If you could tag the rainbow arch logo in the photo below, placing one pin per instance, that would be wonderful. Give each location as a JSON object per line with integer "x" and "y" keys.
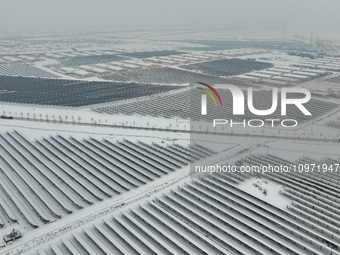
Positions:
{"x": 209, "y": 93}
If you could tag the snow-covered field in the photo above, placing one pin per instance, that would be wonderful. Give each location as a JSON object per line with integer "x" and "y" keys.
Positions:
{"x": 76, "y": 181}
{"x": 237, "y": 148}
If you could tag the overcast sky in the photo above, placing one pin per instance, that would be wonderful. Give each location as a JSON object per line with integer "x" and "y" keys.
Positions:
{"x": 21, "y": 16}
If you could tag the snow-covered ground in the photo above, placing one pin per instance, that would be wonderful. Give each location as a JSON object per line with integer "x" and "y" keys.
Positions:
{"x": 266, "y": 190}
{"x": 235, "y": 149}
{"x": 311, "y": 138}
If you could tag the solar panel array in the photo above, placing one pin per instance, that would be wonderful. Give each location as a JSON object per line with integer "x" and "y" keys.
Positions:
{"x": 186, "y": 104}
{"x": 24, "y": 70}
{"x": 148, "y": 54}
{"x": 44, "y": 180}
{"x": 89, "y": 60}
{"x": 228, "y": 67}
{"x": 168, "y": 75}
{"x": 333, "y": 123}
{"x": 213, "y": 215}
{"x": 70, "y": 92}
{"x": 334, "y": 79}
